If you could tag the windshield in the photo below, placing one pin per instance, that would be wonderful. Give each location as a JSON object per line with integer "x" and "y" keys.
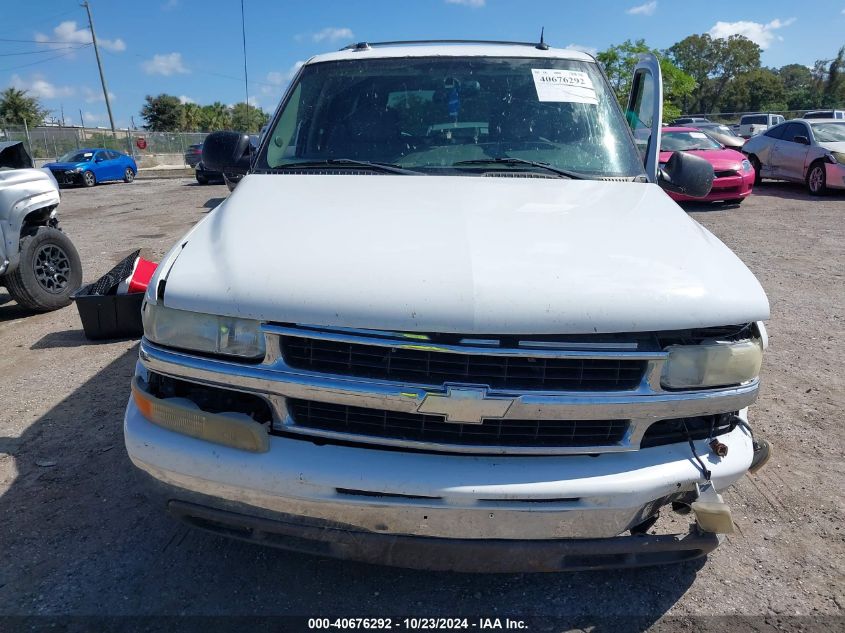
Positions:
{"x": 829, "y": 132}
{"x": 686, "y": 141}
{"x": 76, "y": 157}
{"x": 432, "y": 115}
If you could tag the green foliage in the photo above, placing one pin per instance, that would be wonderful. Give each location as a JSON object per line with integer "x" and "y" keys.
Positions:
{"x": 163, "y": 113}
{"x": 215, "y": 117}
{"x": 16, "y": 106}
{"x": 619, "y": 62}
{"x": 191, "y": 117}
{"x": 713, "y": 64}
{"x": 248, "y": 118}
{"x": 761, "y": 89}
{"x": 801, "y": 90}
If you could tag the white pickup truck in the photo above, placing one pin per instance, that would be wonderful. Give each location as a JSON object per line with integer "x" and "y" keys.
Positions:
{"x": 449, "y": 319}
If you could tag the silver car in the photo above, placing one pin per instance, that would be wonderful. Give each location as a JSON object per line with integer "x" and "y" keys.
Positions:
{"x": 809, "y": 151}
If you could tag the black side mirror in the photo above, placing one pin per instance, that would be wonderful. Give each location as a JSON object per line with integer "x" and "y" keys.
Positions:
{"x": 227, "y": 152}
{"x": 687, "y": 174}
{"x": 801, "y": 139}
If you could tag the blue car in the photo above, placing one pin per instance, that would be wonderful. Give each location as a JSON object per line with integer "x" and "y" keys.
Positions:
{"x": 90, "y": 166}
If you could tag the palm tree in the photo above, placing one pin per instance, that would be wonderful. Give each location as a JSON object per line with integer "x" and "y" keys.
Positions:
{"x": 16, "y": 107}
{"x": 216, "y": 117}
{"x": 192, "y": 115}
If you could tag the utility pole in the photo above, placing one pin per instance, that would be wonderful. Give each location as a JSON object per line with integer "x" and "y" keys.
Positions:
{"x": 99, "y": 64}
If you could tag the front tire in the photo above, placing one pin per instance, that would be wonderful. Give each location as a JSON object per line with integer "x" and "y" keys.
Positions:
{"x": 755, "y": 163}
{"x": 202, "y": 180}
{"x": 817, "y": 179}
{"x": 128, "y": 175}
{"x": 48, "y": 273}
{"x": 89, "y": 179}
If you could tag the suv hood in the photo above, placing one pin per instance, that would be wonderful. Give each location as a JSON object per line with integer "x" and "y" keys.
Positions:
{"x": 460, "y": 254}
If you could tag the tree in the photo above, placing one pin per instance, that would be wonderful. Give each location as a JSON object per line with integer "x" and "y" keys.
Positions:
{"x": 16, "y": 106}
{"x": 800, "y": 90}
{"x": 713, "y": 63}
{"x": 834, "y": 88}
{"x": 191, "y": 117}
{"x": 163, "y": 113}
{"x": 619, "y": 62}
{"x": 248, "y": 118}
{"x": 759, "y": 90}
{"x": 215, "y": 117}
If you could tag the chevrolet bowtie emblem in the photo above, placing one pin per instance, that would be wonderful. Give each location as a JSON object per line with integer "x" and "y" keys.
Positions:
{"x": 465, "y": 405}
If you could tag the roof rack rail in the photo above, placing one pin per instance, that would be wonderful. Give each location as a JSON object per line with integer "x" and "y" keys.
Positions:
{"x": 363, "y": 46}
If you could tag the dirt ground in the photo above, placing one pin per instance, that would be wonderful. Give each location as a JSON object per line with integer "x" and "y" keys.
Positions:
{"x": 78, "y": 537}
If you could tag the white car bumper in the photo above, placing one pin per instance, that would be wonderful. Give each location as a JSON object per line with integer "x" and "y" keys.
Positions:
{"x": 432, "y": 497}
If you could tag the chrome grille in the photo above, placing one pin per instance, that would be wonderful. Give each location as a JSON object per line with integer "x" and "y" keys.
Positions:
{"x": 422, "y": 366}
{"x": 432, "y": 429}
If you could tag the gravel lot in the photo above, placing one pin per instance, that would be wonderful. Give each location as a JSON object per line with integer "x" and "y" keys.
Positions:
{"x": 79, "y": 538}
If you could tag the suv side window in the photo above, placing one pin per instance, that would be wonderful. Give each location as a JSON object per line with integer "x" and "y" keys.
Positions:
{"x": 775, "y": 132}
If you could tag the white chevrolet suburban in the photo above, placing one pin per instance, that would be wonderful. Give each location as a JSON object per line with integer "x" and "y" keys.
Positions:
{"x": 449, "y": 319}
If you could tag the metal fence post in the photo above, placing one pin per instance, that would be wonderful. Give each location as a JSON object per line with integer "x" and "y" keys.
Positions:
{"x": 28, "y": 139}
{"x": 182, "y": 147}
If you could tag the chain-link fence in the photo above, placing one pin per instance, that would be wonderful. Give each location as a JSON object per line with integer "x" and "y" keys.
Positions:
{"x": 733, "y": 118}
{"x": 160, "y": 149}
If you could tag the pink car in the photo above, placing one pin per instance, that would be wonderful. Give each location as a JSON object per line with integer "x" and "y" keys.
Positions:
{"x": 734, "y": 174}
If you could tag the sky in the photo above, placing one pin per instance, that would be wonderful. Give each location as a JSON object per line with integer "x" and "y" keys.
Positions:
{"x": 193, "y": 48}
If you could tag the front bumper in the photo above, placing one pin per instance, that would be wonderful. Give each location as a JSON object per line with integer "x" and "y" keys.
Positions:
{"x": 835, "y": 175}
{"x": 536, "y": 513}
{"x": 67, "y": 177}
{"x": 438, "y": 554}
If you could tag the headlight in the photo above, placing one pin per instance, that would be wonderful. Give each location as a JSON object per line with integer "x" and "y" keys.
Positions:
{"x": 200, "y": 332}
{"x": 712, "y": 364}
{"x": 838, "y": 157}
{"x": 746, "y": 165}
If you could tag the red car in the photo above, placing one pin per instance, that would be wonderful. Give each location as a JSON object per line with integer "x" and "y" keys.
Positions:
{"x": 734, "y": 174}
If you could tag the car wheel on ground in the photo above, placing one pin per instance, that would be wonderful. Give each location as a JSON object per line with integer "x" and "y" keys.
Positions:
{"x": 128, "y": 175}
{"x": 755, "y": 163}
{"x": 48, "y": 272}
{"x": 89, "y": 179}
{"x": 202, "y": 180}
{"x": 817, "y": 179}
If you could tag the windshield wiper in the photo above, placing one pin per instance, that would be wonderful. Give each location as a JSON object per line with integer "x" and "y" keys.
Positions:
{"x": 387, "y": 168}
{"x": 508, "y": 160}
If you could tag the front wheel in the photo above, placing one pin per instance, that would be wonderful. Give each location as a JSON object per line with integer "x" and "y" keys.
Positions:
{"x": 128, "y": 175}
{"x": 755, "y": 163}
{"x": 89, "y": 179}
{"x": 817, "y": 179}
{"x": 48, "y": 273}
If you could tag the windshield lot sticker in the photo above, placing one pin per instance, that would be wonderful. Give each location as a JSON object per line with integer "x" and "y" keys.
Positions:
{"x": 567, "y": 86}
{"x": 698, "y": 135}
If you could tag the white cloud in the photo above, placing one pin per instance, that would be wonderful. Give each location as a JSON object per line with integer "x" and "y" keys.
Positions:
{"x": 274, "y": 81}
{"x": 590, "y": 50}
{"x": 643, "y": 9}
{"x": 92, "y": 117}
{"x": 475, "y": 4}
{"x": 165, "y": 64}
{"x": 183, "y": 99}
{"x": 92, "y": 96}
{"x": 761, "y": 34}
{"x": 332, "y": 34}
{"x": 39, "y": 87}
{"x": 68, "y": 33}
